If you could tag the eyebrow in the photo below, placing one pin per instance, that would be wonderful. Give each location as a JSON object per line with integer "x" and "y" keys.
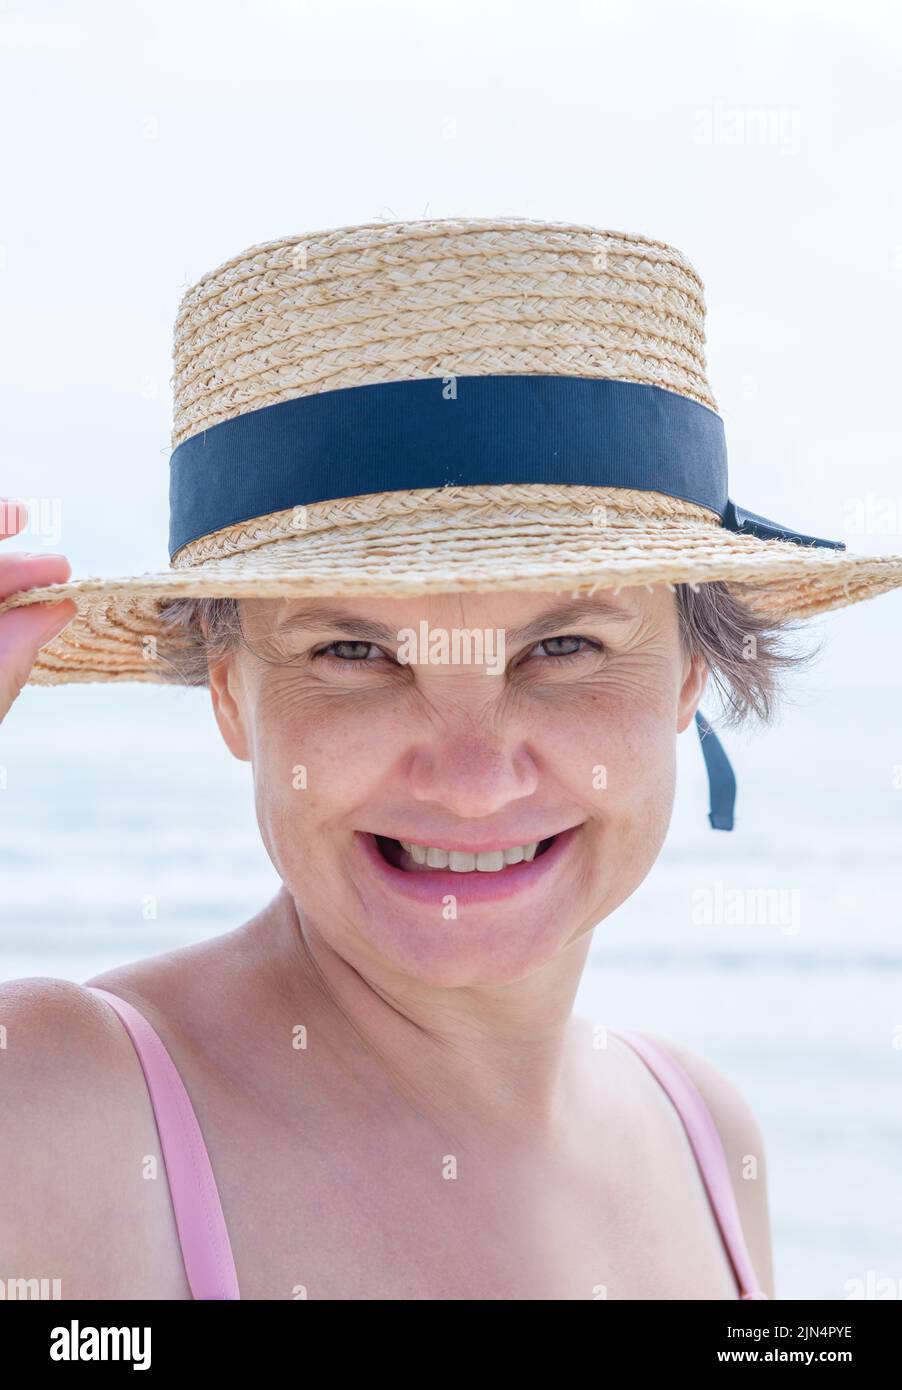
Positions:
{"x": 577, "y": 610}
{"x": 316, "y": 615}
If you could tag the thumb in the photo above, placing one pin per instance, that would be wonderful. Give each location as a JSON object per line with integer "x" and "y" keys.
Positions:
{"x": 23, "y": 631}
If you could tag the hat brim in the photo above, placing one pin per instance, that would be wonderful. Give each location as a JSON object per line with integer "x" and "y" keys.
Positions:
{"x": 114, "y": 635}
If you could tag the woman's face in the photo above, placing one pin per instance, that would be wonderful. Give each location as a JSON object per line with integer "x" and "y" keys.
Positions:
{"x": 468, "y": 725}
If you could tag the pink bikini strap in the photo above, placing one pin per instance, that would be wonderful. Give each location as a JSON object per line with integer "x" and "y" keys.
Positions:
{"x": 206, "y": 1251}
{"x": 707, "y": 1147}
{"x": 195, "y": 1199}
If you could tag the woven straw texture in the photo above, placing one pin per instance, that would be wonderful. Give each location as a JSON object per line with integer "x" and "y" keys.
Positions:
{"x": 451, "y": 297}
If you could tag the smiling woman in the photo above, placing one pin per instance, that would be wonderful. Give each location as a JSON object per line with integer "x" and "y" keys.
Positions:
{"x": 453, "y": 551}
{"x": 439, "y": 785}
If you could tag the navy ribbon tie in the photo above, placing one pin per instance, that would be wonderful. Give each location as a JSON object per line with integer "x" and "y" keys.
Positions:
{"x": 721, "y": 778}
{"x": 750, "y": 523}
{"x": 464, "y": 431}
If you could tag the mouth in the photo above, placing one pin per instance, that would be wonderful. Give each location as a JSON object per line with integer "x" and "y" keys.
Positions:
{"x": 414, "y": 858}
{"x": 432, "y": 874}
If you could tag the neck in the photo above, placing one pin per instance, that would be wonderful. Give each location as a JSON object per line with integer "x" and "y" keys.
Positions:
{"x": 506, "y": 1058}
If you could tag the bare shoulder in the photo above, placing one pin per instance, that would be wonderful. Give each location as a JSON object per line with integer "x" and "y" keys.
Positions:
{"x": 52, "y": 1030}
{"x": 61, "y": 1052}
{"x": 175, "y": 984}
{"x": 743, "y": 1142}
{"x": 75, "y": 1118}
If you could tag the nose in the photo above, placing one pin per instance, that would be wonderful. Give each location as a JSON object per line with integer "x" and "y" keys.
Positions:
{"x": 471, "y": 773}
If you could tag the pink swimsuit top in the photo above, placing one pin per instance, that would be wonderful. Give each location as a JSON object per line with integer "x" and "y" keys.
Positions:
{"x": 206, "y": 1251}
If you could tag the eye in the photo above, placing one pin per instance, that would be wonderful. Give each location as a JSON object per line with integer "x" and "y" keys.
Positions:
{"x": 564, "y": 648}
{"x": 350, "y": 653}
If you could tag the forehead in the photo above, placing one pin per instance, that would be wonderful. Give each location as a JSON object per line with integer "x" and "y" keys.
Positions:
{"x": 513, "y": 611}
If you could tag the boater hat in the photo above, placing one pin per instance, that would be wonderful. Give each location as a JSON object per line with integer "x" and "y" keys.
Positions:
{"x": 418, "y": 407}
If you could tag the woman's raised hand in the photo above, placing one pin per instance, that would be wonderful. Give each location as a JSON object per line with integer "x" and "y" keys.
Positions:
{"x": 23, "y": 631}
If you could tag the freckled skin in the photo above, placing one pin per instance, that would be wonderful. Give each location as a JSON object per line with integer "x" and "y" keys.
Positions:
{"x": 426, "y": 1038}
{"x": 444, "y": 749}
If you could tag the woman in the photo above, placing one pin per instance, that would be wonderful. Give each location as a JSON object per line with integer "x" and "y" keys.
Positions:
{"x": 452, "y": 548}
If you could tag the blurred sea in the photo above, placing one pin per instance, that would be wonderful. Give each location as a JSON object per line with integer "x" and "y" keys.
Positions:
{"x": 116, "y": 793}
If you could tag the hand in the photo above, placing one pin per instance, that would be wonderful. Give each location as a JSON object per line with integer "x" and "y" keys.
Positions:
{"x": 23, "y": 631}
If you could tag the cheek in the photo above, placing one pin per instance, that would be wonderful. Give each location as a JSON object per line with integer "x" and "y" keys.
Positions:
{"x": 614, "y": 747}
{"x": 315, "y": 758}
{"x": 621, "y": 762}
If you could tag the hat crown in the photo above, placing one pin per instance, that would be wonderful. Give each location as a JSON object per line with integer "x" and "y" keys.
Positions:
{"x": 397, "y": 301}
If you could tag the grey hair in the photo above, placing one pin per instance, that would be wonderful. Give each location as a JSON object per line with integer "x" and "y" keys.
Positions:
{"x": 744, "y": 651}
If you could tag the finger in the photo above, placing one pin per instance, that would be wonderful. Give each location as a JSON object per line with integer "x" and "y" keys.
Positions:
{"x": 23, "y": 631}
{"x": 19, "y": 570}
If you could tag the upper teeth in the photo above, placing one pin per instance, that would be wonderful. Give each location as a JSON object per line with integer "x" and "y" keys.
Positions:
{"x": 462, "y": 862}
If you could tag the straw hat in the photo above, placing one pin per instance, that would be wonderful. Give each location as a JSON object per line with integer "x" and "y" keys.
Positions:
{"x": 457, "y": 404}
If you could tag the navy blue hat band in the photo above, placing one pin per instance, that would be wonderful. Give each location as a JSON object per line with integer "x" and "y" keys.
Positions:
{"x": 463, "y": 431}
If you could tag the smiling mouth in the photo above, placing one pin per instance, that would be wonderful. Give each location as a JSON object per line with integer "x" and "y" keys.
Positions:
{"x": 412, "y": 858}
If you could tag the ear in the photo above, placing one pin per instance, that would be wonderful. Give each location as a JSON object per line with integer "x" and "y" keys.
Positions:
{"x": 225, "y": 691}
{"x": 694, "y": 683}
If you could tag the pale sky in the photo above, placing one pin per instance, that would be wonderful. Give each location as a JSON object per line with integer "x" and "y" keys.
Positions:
{"x": 145, "y": 143}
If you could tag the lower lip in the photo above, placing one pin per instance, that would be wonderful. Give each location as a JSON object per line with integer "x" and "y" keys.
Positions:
{"x": 472, "y": 887}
